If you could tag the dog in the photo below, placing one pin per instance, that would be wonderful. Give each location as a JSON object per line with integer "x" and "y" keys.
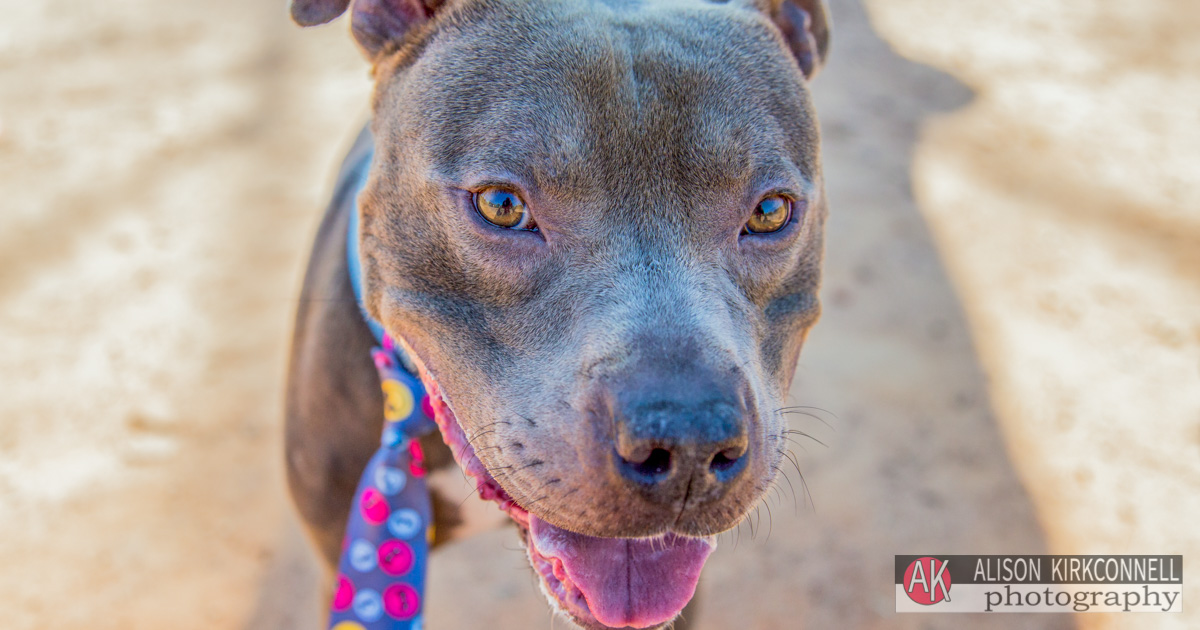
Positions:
{"x": 595, "y": 228}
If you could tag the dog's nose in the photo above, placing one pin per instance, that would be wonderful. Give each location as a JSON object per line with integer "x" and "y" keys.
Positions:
{"x": 680, "y": 434}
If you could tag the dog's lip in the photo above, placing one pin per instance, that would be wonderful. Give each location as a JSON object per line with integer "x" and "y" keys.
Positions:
{"x": 684, "y": 556}
{"x": 487, "y": 487}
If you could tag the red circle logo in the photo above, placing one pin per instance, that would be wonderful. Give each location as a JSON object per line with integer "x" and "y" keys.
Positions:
{"x": 927, "y": 581}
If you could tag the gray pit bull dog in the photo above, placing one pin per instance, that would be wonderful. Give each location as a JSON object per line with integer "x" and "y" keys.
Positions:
{"x": 596, "y": 228}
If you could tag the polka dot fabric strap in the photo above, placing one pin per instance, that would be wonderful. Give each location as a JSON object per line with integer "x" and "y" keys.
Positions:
{"x": 381, "y": 574}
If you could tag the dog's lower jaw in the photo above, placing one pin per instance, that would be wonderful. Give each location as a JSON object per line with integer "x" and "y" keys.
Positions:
{"x": 562, "y": 558}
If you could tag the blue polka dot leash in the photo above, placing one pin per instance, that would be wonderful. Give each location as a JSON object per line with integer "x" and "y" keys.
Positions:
{"x": 381, "y": 573}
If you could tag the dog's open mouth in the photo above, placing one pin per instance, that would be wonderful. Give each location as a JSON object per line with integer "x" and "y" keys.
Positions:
{"x": 617, "y": 582}
{"x": 600, "y": 582}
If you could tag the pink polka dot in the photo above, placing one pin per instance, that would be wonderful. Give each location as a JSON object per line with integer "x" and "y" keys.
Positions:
{"x": 427, "y": 406}
{"x": 401, "y": 601}
{"x": 344, "y": 595}
{"x": 374, "y": 506}
{"x": 417, "y": 466}
{"x": 382, "y": 360}
{"x": 395, "y": 557}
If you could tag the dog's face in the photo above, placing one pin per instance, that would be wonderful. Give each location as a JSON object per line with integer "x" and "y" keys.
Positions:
{"x": 597, "y": 226}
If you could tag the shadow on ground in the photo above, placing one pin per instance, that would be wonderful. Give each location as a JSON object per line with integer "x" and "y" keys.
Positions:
{"x": 915, "y": 462}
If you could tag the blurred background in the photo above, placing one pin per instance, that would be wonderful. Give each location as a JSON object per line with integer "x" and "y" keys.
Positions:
{"x": 1009, "y": 359}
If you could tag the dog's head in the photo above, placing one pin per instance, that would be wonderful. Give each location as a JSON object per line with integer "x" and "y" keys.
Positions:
{"x": 597, "y": 225}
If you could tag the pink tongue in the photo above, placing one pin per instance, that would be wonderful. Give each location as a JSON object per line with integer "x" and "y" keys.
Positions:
{"x": 627, "y": 581}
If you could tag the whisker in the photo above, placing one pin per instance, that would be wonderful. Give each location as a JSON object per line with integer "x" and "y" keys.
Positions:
{"x": 798, "y": 445}
{"x": 536, "y": 462}
{"x": 795, "y": 500}
{"x": 770, "y": 521}
{"x": 527, "y": 505}
{"x": 494, "y": 472}
{"x": 809, "y": 415}
{"x": 796, "y": 463}
{"x": 803, "y": 434}
{"x": 492, "y": 424}
{"x": 799, "y": 407}
{"x": 471, "y": 440}
{"x": 467, "y": 498}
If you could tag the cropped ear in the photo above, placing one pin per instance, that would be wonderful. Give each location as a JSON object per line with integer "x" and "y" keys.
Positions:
{"x": 375, "y": 23}
{"x": 805, "y": 28}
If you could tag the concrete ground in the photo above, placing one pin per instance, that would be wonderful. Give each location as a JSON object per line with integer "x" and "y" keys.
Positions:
{"x": 1009, "y": 360}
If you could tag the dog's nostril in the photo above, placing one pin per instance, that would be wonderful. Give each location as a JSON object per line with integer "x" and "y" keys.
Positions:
{"x": 657, "y": 463}
{"x": 651, "y": 468}
{"x": 727, "y": 463}
{"x": 723, "y": 461}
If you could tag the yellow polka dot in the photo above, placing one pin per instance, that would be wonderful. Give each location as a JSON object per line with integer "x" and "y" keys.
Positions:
{"x": 397, "y": 401}
{"x": 429, "y": 533}
{"x": 349, "y": 625}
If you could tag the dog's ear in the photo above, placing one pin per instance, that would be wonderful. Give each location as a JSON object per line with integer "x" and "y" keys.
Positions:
{"x": 314, "y": 12}
{"x": 805, "y": 28}
{"x": 375, "y": 23}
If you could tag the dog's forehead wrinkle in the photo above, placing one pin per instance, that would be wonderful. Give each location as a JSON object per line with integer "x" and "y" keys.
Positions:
{"x": 652, "y": 97}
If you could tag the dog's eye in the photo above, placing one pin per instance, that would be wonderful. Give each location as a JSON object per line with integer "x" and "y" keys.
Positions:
{"x": 771, "y": 214}
{"x": 503, "y": 208}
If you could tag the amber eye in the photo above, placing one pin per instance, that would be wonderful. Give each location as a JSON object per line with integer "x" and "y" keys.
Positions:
{"x": 503, "y": 208}
{"x": 771, "y": 214}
